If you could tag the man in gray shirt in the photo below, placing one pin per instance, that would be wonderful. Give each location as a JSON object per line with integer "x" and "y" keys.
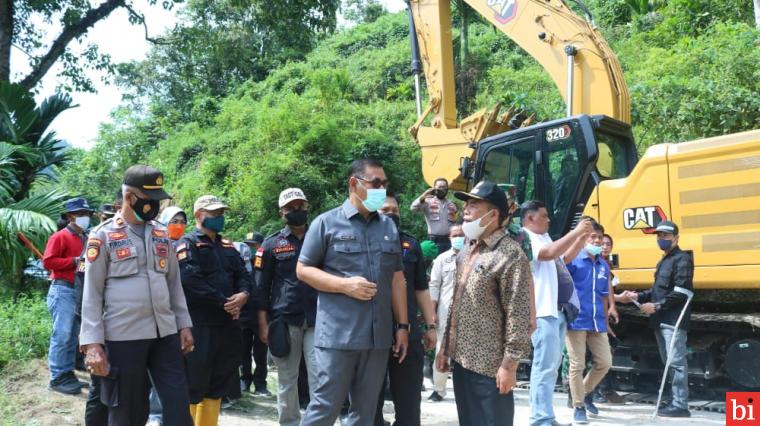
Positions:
{"x": 352, "y": 256}
{"x": 134, "y": 314}
{"x": 440, "y": 213}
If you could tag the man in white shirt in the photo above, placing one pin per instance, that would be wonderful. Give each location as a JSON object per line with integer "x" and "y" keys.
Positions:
{"x": 443, "y": 276}
{"x": 551, "y": 325}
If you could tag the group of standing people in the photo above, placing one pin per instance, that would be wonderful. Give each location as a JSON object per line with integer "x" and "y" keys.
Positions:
{"x": 170, "y": 310}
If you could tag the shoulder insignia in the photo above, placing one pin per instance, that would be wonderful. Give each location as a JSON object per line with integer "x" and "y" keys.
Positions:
{"x": 259, "y": 262}
{"x": 82, "y": 267}
{"x": 181, "y": 247}
{"x": 93, "y": 249}
{"x": 260, "y": 252}
{"x": 202, "y": 244}
{"x": 406, "y": 245}
{"x": 182, "y": 255}
{"x": 227, "y": 243}
{"x": 160, "y": 233}
{"x": 117, "y": 235}
{"x": 119, "y": 222}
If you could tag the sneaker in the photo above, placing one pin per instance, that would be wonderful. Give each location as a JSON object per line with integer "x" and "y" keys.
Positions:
{"x": 262, "y": 392}
{"x": 588, "y": 401}
{"x": 435, "y": 397}
{"x": 65, "y": 385}
{"x": 579, "y": 416}
{"x": 154, "y": 421}
{"x": 672, "y": 411}
{"x": 227, "y": 403}
{"x": 70, "y": 376}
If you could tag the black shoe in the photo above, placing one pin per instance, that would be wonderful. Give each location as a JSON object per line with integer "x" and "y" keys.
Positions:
{"x": 262, "y": 392}
{"x": 672, "y": 411}
{"x": 65, "y": 385}
{"x": 73, "y": 378}
{"x": 435, "y": 397}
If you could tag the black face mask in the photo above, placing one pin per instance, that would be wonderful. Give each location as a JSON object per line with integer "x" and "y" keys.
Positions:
{"x": 441, "y": 193}
{"x": 396, "y": 219}
{"x": 297, "y": 217}
{"x": 145, "y": 210}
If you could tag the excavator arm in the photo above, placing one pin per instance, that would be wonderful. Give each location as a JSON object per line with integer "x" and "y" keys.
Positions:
{"x": 573, "y": 52}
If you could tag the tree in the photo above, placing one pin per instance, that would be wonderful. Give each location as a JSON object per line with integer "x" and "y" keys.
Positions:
{"x": 222, "y": 43}
{"x": 28, "y": 153}
{"x": 75, "y": 17}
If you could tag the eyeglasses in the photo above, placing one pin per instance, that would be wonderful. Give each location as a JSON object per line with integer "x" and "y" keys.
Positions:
{"x": 376, "y": 183}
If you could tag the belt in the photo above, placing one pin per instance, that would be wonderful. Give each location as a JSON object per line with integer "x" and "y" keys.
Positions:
{"x": 63, "y": 283}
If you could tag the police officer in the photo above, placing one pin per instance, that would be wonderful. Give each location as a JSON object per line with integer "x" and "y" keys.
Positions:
{"x": 217, "y": 287}
{"x": 406, "y": 377}
{"x": 352, "y": 256}
{"x": 287, "y": 300}
{"x": 142, "y": 320}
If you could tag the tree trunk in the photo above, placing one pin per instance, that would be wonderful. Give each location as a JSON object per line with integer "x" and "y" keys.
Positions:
{"x": 464, "y": 33}
{"x": 757, "y": 13}
{"x": 69, "y": 33}
{"x": 6, "y": 38}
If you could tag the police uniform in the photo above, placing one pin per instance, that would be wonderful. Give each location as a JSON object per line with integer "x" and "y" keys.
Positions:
{"x": 134, "y": 304}
{"x": 406, "y": 378}
{"x": 352, "y": 337}
{"x": 212, "y": 271}
{"x": 288, "y": 299}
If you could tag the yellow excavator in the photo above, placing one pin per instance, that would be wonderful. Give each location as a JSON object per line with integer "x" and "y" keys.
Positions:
{"x": 587, "y": 164}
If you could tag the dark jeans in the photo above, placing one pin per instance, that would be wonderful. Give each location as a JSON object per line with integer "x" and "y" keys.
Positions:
{"x": 253, "y": 351}
{"x": 479, "y": 402}
{"x": 95, "y": 412}
{"x": 406, "y": 387}
{"x": 126, "y": 392}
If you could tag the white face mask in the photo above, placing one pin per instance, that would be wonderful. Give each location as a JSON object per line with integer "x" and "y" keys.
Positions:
{"x": 473, "y": 230}
{"x": 83, "y": 222}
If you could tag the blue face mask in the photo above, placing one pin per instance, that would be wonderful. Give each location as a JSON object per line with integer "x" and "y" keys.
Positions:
{"x": 593, "y": 250}
{"x": 375, "y": 199}
{"x": 665, "y": 244}
{"x": 457, "y": 243}
{"x": 215, "y": 224}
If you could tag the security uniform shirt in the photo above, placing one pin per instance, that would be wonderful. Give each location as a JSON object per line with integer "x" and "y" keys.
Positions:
{"x": 415, "y": 274}
{"x": 342, "y": 243}
{"x": 212, "y": 271}
{"x": 282, "y": 294}
{"x": 132, "y": 288}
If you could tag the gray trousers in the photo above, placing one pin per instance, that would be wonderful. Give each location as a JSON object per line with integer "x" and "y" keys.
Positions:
{"x": 301, "y": 341}
{"x": 356, "y": 373}
{"x": 679, "y": 372}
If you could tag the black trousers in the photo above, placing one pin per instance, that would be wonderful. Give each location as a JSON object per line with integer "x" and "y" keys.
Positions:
{"x": 211, "y": 367}
{"x": 125, "y": 391}
{"x": 95, "y": 412}
{"x": 479, "y": 402}
{"x": 406, "y": 387}
{"x": 253, "y": 350}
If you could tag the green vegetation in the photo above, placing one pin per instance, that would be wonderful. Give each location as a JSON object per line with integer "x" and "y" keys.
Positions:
{"x": 24, "y": 328}
{"x": 691, "y": 66}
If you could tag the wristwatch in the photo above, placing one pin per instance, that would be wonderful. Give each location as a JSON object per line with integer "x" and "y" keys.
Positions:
{"x": 402, "y": 326}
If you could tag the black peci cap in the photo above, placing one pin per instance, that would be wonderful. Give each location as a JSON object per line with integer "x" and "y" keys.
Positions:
{"x": 148, "y": 180}
{"x": 486, "y": 191}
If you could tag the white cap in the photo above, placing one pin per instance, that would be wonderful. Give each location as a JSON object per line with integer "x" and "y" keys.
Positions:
{"x": 291, "y": 194}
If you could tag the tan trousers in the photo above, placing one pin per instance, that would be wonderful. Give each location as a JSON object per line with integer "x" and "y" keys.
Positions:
{"x": 599, "y": 346}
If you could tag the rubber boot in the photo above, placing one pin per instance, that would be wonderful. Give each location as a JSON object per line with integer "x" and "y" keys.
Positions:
{"x": 208, "y": 412}
{"x": 193, "y": 412}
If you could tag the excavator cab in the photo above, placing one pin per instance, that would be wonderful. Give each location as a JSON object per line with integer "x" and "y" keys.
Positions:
{"x": 558, "y": 162}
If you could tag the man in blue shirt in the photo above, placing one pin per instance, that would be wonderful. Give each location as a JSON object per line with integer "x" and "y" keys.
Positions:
{"x": 591, "y": 275}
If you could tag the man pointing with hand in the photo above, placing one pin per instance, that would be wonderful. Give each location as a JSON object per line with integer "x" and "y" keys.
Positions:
{"x": 352, "y": 256}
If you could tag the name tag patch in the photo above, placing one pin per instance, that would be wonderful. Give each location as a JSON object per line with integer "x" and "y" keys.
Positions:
{"x": 118, "y": 235}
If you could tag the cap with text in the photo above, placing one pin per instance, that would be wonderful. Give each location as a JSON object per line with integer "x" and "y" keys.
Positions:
{"x": 667, "y": 227}
{"x": 486, "y": 191}
{"x": 146, "y": 179}
{"x": 208, "y": 203}
{"x": 291, "y": 194}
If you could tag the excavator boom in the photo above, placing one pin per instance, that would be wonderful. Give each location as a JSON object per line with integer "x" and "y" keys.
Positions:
{"x": 569, "y": 48}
